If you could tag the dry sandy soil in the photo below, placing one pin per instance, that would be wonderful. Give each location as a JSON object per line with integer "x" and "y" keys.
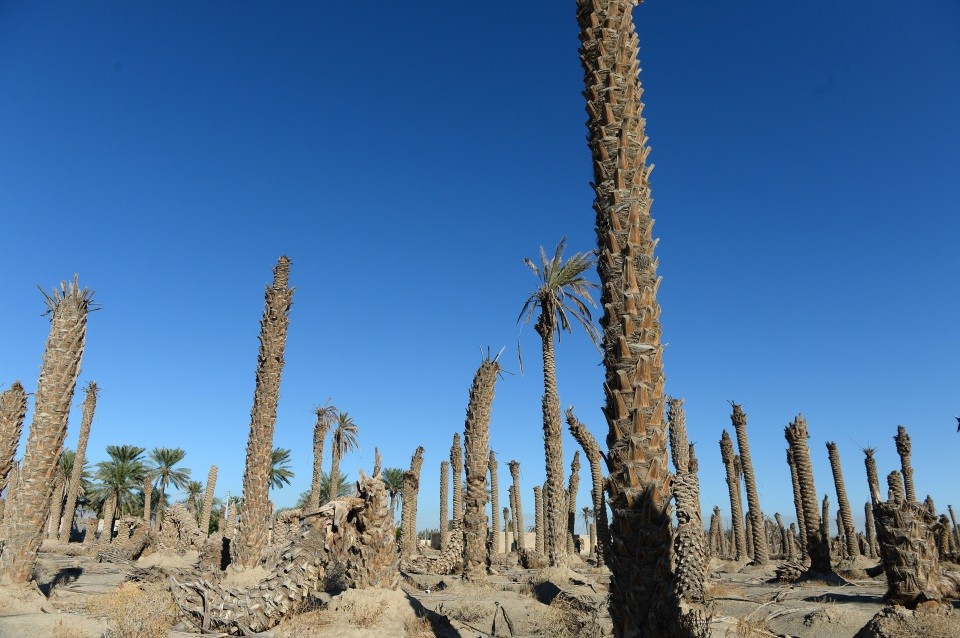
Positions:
{"x": 80, "y": 599}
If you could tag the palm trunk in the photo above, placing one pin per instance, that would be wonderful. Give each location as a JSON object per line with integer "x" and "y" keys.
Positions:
{"x": 797, "y": 502}
{"x": 208, "y": 500}
{"x": 506, "y": 528}
{"x": 689, "y": 546}
{"x": 760, "y": 549}
{"x": 456, "y": 466}
{"x": 895, "y": 487}
{"x": 825, "y": 517}
{"x": 147, "y": 499}
{"x": 538, "y": 534}
{"x": 902, "y": 439}
{"x": 849, "y": 531}
{"x": 335, "y": 452}
{"x": 784, "y": 549}
{"x": 476, "y": 438}
{"x": 56, "y": 507}
{"x": 592, "y": 452}
{"x": 444, "y": 503}
{"x": 255, "y": 522}
{"x": 319, "y": 435}
{"x": 818, "y": 547}
{"x": 229, "y": 519}
{"x": 555, "y": 516}
{"x": 494, "y": 500}
{"x": 516, "y": 505}
{"x": 68, "y": 307}
{"x": 572, "y": 486}
{"x": 908, "y": 550}
{"x": 109, "y": 515}
{"x": 873, "y": 481}
{"x": 716, "y": 533}
{"x": 13, "y": 410}
{"x": 870, "y": 530}
{"x": 956, "y": 530}
{"x": 76, "y": 475}
{"x": 408, "y": 513}
{"x": 736, "y": 506}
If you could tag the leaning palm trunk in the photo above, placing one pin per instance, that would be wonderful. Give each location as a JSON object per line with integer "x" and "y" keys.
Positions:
{"x": 592, "y": 451}
{"x": 902, "y": 439}
{"x": 456, "y": 466}
{"x": 68, "y": 307}
{"x": 319, "y": 435}
{"x": 797, "y": 501}
{"x": 334, "y": 473}
{"x": 13, "y": 410}
{"x": 760, "y": 549}
{"x": 516, "y": 505}
{"x": 689, "y": 545}
{"x": 572, "y": 486}
{"x": 408, "y": 512}
{"x": 870, "y": 530}
{"x": 716, "y": 533}
{"x": 538, "y": 519}
{"x": 849, "y": 531}
{"x": 476, "y": 438}
{"x": 208, "y": 500}
{"x": 736, "y": 506}
{"x": 56, "y": 507}
{"x": 444, "y": 503}
{"x": 818, "y": 547}
{"x": 494, "y": 500}
{"x": 147, "y": 498}
{"x": 76, "y": 475}
{"x": 255, "y": 522}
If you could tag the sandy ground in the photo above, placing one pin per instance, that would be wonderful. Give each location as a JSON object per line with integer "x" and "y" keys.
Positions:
{"x": 555, "y": 603}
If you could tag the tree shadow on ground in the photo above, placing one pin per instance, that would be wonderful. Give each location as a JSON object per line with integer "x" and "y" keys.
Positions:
{"x": 62, "y": 577}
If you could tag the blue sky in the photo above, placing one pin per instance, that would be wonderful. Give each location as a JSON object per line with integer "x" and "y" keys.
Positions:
{"x": 408, "y": 156}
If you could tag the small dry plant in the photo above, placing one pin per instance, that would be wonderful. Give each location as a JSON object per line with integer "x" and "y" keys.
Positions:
{"x": 364, "y": 614}
{"x": 137, "y": 611}
{"x": 721, "y": 589}
{"x": 470, "y": 610}
{"x": 62, "y": 630}
{"x": 419, "y": 628}
{"x": 747, "y": 628}
{"x": 311, "y": 623}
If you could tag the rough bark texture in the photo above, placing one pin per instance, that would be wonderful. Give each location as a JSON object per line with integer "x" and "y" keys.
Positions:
{"x": 908, "y": 551}
{"x": 456, "y": 466}
{"x": 516, "y": 505}
{"x": 320, "y": 428}
{"x": 736, "y": 506}
{"x": 849, "y": 531}
{"x": 494, "y": 500}
{"x": 76, "y": 475}
{"x": 109, "y": 515}
{"x": 592, "y": 451}
{"x": 476, "y": 438}
{"x": 255, "y": 522}
{"x": 902, "y": 439}
{"x": 147, "y": 498}
{"x": 56, "y": 506}
{"x": 784, "y": 545}
{"x": 870, "y": 530}
{"x": 825, "y": 517}
{"x": 13, "y": 410}
{"x": 538, "y": 534}
{"x": 208, "y": 500}
{"x": 408, "y": 511}
{"x": 716, "y": 533}
{"x": 229, "y": 519}
{"x": 739, "y": 420}
{"x": 506, "y": 527}
{"x": 555, "y": 515}
{"x": 956, "y": 530}
{"x": 572, "y": 486}
{"x": 444, "y": 504}
{"x": 895, "y": 485}
{"x": 818, "y": 547}
{"x": 797, "y": 502}
{"x": 68, "y": 307}
{"x": 688, "y": 542}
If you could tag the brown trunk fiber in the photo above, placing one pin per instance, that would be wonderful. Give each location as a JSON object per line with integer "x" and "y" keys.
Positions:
{"x": 76, "y": 475}
{"x": 13, "y": 410}
{"x": 538, "y": 534}
{"x": 320, "y": 428}
{"x": 572, "y": 486}
{"x": 494, "y": 500}
{"x": 208, "y": 500}
{"x": 517, "y": 506}
{"x": 760, "y": 550}
{"x": 797, "y": 502}
{"x": 689, "y": 546}
{"x": 592, "y": 451}
{"x": 506, "y": 527}
{"x": 408, "y": 513}
{"x": 456, "y": 466}
{"x": 476, "y": 438}
{"x": 818, "y": 547}
{"x": 444, "y": 504}
{"x": 736, "y": 506}
{"x": 849, "y": 531}
{"x": 902, "y": 439}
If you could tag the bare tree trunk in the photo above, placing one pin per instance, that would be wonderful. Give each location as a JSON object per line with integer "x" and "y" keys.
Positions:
{"x": 109, "y": 515}
{"x": 517, "y": 505}
{"x": 784, "y": 548}
{"x": 849, "y": 531}
{"x": 444, "y": 504}
{"x": 572, "y": 486}
{"x": 229, "y": 519}
{"x": 147, "y": 498}
{"x": 13, "y": 410}
{"x": 68, "y": 308}
{"x": 902, "y": 439}
{"x": 797, "y": 502}
{"x": 257, "y": 508}
{"x": 408, "y": 513}
{"x": 592, "y": 452}
{"x": 506, "y": 529}
{"x": 76, "y": 475}
{"x": 320, "y": 428}
{"x": 456, "y": 465}
{"x": 956, "y": 530}
{"x": 538, "y": 519}
{"x": 736, "y": 507}
{"x": 895, "y": 485}
{"x": 208, "y": 500}
{"x": 494, "y": 500}
{"x": 56, "y": 507}
{"x": 870, "y": 530}
{"x": 691, "y": 555}
{"x": 476, "y": 437}
{"x": 908, "y": 549}
{"x": 818, "y": 547}
{"x": 739, "y": 421}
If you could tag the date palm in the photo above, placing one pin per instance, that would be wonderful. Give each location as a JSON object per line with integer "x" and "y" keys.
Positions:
{"x": 344, "y": 488}
{"x": 393, "y": 478}
{"x": 163, "y": 472}
{"x": 562, "y": 297}
{"x": 343, "y": 440}
{"x": 194, "y": 489}
{"x": 120, "y": 477}
{"x": 74, "y": 485}
{"x": 325, "y": 414}
{"x": 280, "y": 473}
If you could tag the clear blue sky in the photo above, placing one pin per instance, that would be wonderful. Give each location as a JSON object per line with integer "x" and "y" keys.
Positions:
{"x": 407, "y": 156}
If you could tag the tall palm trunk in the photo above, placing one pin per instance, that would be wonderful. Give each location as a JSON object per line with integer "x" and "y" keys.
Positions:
{"x": 849, "y": 531}
{"x": 229, "y": 519}
{"x": 555, "y": 516}
{"x": 825, "y": 517}
{"x": 592, "y": 452}
{"x": 895, "y": 487}
{"x": 572, "y": 486}
{"x": 13, "y": 410}
{"x": 476, "y": 439}
{"x": 506, "y": 527}
{"x": 76, "y": 475}
{"x": 689, "y": 545}
{"x": 538, "y": 532}
{"x": 797, "y": 501}
{"x": 736, "y": 506}
{"x": 408, "y": 512}
{"x": 902, "y": 439}
{"x": 870, "y": 530}
{"x": 109, "y": 516}
{"x": 56, "y": 507}
{"x": 319, "y": 435}
{"x": 335, "y": 453}
{"x": 444, "y": 504}
{"x": 818, "y": 548}
{"x": 147, "y": 499}
{"x": 208, "y": 500}
{"x": 516, "y": 506}
{"x": 760, "y": 550}
{"x": 68, "y": 307}
{"x": 494, "y": 500}
{"x": 456, "y": 466}
{"x": 255, "y": 522}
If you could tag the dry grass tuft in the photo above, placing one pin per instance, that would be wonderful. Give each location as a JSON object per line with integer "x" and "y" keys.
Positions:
{"x": 721, "y": 589}
{"x": 559, "y": 576}
{"x": 419, "y": 628}
{"x": 364, "y": 614}
{"x": 470, "y": 611}
{"x": 62, "y": 630}
{"x": 751, "y": 629}
{"x": 311, "y": 623}
{"x": 137, "y": 611}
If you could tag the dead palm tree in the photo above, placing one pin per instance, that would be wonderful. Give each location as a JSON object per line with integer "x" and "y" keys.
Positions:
{"x": 13, "y": 410}
{"x": 494, "y": 500}
{"x": 902, "y": 439}
{"x": 444, "y": 504}
{"x": 573, "y": 485}
{"x": 852, "y": 549}
{"x": 739, "y": 420}
{"x": 818, "y": 547}
{"x": 208, "y": 500}
{"x": 325, "y": 414}
{"x": 343, "y": 440}
{"x": 538, "y": 535}
{"x": 736, "y": 505}
{"x": 76, "y": 475}
{"x": 68, "y": 308}
{"x": 562, "y": 296}
{"x": 456, "y": 466}
{"x": 689, "y": 544}
{"x": 257, "y": 508}
{"x": 476, "y": 438}
{"x": 797, "y": 501}
{"x": 592, "y": 450}
{"x": 408, "y": 512}
{"x": 515, "y": 505}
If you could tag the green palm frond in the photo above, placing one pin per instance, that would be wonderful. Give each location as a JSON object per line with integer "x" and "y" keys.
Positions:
{"x": 345, "y": 436}
{"x": 280, "y": 472}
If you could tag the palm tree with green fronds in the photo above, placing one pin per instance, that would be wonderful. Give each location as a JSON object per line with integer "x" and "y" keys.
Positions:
{"x": 280, "y": 472}
{"x": 344, "y": 488}
{"x": 562, "y": 298}
{"x": 164, "y": 472}
{"x": 193, "y": 490}
{"x": 393, "y": 478}
{"x": 120, "y": 477}
{"x": 343, "y": 440}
